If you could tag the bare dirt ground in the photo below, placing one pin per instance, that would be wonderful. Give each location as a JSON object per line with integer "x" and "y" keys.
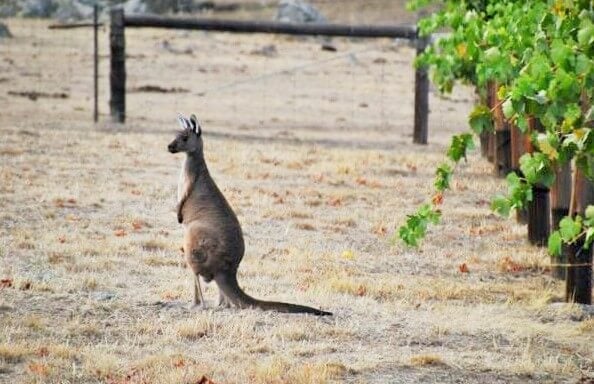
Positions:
{"x": 313, "y": 150}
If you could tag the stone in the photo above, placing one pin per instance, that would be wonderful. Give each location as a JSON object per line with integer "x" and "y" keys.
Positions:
{"x": 4, "y": 31}
{"x": 38, "y": 8}
{"x": 9, "y": 8}
{"x": 298, "y": 11}
{"x": 71, "y": 10}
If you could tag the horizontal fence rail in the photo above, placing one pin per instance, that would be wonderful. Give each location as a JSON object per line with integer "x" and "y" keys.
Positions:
{"x": 119, "y": 21}
{"x": 241, "y": 26}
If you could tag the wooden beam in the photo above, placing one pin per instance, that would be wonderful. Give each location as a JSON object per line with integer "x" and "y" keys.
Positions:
{"x": 242, "y": 26}
{"x": 420, "y": 130}
{"x": 117, "y": 75}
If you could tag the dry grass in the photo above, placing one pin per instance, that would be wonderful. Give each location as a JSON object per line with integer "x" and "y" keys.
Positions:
{"x": 90, "y": 244}
{"x": 422, "y": 360}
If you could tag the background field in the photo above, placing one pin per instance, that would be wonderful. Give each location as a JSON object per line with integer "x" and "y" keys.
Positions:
{"x": 312, "y": 149}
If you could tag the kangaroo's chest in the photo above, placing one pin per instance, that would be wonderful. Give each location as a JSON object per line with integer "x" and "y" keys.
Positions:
{"x": 183, "y": 181}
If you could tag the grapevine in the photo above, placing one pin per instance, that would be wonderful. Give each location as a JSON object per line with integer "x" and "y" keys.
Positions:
{"x": 541, "y": 54}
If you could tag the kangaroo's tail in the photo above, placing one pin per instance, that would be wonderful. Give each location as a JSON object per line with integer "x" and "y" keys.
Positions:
{"x": 228, "y": 284}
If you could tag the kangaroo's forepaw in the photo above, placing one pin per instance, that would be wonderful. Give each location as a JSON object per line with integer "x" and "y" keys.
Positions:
{"x": 180, "y": 218}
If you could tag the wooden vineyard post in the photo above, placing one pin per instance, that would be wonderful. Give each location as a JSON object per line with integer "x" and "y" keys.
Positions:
{"x": 560, "y": 198}
{"x": 421, "y": 95}
{"x": 501, "y": 150}
{"x": 539, "y": 222}
{"x": 519, "y": 145}
{"x": 539, "y": 209}
{"x": 117, "y": 74}
{"x": 578, "y": 288}
{"x": 95, "y": 63}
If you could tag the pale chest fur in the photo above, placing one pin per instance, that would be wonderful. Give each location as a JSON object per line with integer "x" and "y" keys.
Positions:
{"x": 182, "y": 181}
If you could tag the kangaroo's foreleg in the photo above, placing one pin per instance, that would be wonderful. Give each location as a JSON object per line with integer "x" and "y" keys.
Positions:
{"x": 183, "y": 196}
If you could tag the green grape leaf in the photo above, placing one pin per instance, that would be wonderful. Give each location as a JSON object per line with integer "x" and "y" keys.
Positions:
{"x": 501, "y": 205}
{"x": 443, "y": 176}
{"x": 460, "y": 146}
{"x": 589, "y": 237}
{"x": 547, "y": 145}
{"x": 554, "y": 244}
{"x": 569, "y": 228}
{"x": 480, "y": 119}
{"x": 537, "y": 168}
{"x": 508, "y": 108}
{"x": 585, "y": 35}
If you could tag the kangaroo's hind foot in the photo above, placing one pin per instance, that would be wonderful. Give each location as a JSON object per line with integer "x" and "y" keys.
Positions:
{"x": 198, "y": 302}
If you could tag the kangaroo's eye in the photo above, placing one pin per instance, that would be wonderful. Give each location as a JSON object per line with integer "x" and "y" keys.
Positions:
{"x": 185, "y": 138}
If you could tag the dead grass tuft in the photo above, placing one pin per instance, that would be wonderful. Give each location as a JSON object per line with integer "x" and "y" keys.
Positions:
{"x": 278, "y": 370}
{"x": 195, "y": 329}
{"x": 154, "y": 245}
{"x": 161, "y": 261}
{"x": 101, "y": 365}
{"x": 586, "y": 326}
{"x": 13, "y": 353}
{"x": 34, "y": 322}
{"x": 423, "y": 360}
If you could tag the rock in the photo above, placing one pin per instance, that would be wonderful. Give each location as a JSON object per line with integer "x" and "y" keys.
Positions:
{"x": 4, "y": 31}
{"x": 103, "y": 296}
{"x": 38, "y": 8}
{"x": 69, "y": 10}
{"x": 267, "y": 51}
{"x": 165, "y": 6}
{"x": 135, "y": 6}
{"x": 9, "y": 8}
{"x": 297, "y": 11}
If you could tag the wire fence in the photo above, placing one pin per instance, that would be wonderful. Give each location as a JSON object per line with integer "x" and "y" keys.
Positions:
{"x": 234, "y": 82}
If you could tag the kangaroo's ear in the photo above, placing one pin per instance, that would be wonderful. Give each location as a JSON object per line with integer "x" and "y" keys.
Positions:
{"x": 195, "y": 125}
{"x": 183, "y": 122}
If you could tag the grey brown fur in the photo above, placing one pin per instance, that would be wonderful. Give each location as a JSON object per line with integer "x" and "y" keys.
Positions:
{"x": 213, "y": 240}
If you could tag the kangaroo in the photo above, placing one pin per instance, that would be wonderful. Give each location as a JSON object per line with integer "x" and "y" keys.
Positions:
{"x": 213, "y": 241}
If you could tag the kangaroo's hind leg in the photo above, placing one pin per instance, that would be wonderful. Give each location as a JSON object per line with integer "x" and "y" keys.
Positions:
{"x": 198, "y": 297}
{"x": 223, "y": 300}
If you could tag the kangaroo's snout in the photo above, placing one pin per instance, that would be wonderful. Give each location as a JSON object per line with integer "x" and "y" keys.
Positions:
{"x": 171, "y": 148}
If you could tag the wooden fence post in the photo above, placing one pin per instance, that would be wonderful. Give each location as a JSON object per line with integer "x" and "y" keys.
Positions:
{"x": 520, "y": 144}
{"x": 560, "y": 198}
{"x": 578, "y": 288}
{"x": 421, "y": 95}
{"x": 502, "y": 145}
{"x": 95, "y": 63}
{"x": 117, "y": 75}
{"x": 539, "y": 209}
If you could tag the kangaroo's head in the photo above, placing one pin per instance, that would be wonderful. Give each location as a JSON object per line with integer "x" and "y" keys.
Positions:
{"x": 189, "y": 138}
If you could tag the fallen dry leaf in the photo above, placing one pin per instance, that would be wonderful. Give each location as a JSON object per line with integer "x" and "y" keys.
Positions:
{"x": 205, "y": 380}
{"x": 507, "y": 264}
{"x": 380, "y": 230}
{"x": 463, "y": 268}
{"x": 5, "y": 283}
{"x": 137, "y": 225}
{"x": 361, "y": 290}
{"x": 335, "y": 201}
{"x": 119, "y": 233}
{"x": 437, "y": 199}
{"x": 40, "y": 369}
